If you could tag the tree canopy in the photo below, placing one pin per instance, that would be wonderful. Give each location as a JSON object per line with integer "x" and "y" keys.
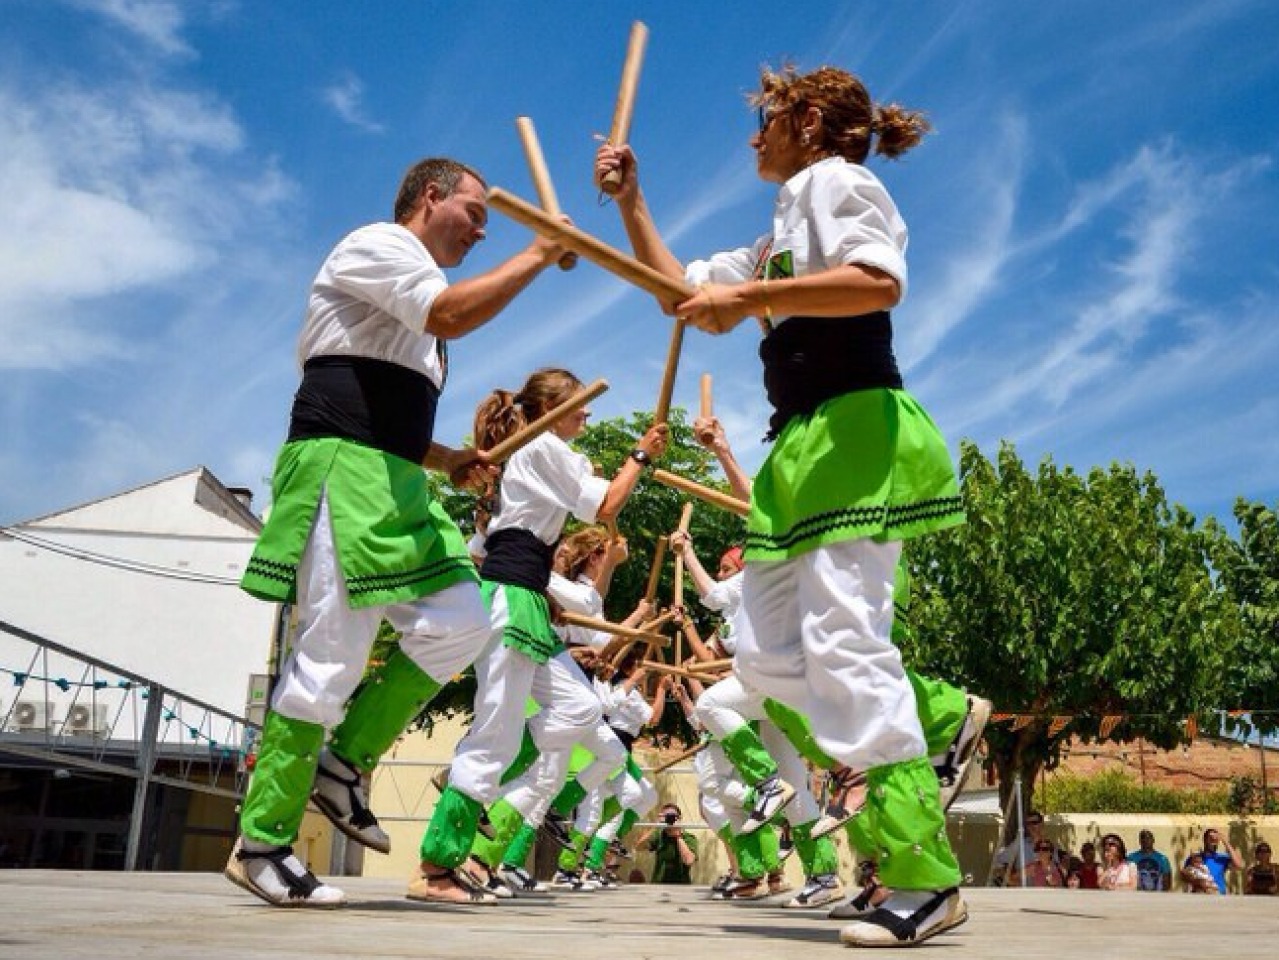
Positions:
{"x": 1070, "y": 596}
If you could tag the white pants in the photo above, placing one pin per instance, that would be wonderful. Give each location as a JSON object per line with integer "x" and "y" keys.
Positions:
{"x": 505, "y": 679}
{"x": 728, "y": 706}
{"x": 815, "y": 634}
{"x": 442, "y": 633}
{"x": 721, "y": 787}
{"x": 533, "y": 793}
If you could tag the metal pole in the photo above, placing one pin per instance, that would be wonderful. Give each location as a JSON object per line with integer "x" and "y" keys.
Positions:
{"x": 1021, "y": 830}
{"x": 146, "y": 764}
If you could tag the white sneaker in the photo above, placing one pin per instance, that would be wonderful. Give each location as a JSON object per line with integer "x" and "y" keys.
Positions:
{"x": 952, "y": 766}
{"x": 520, "y": 880}
{"x": 572, "y": 881}
{"x": 339, "y": 793}
{"x": 601, "y": 880}
{"x": 771, "y": 796}
{"x": 818, "y": 891}
{"x": 907, "y": 918}
{"x": 279, "y": 878}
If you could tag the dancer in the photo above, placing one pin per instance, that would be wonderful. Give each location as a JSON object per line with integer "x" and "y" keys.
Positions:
{"x": 354, "y": 535}
{"x": 857, "y": 467}
{"x": 540, "y": 486}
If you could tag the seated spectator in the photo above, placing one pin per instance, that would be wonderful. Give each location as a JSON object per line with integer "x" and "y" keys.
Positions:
{"x": 1196, "y": 875}
{"x": 1262, "y": 877}
{"x": 1116, "y": 872}
{"x": 1044, "y": 870}
{"x": 1084, "y": 874}
{"x": 1005, "y": 870}
{"x": 1219, "y": 856}
{"x": 1154, "y": 872}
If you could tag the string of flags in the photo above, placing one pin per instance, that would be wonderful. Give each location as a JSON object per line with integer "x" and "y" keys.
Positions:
{"x": 1058, "y": 722}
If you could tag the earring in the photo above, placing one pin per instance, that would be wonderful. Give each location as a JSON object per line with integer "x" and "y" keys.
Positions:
{"x": 806, "y": 139}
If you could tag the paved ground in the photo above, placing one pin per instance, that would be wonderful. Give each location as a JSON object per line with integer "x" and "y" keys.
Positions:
{"x": 66, "y": 916}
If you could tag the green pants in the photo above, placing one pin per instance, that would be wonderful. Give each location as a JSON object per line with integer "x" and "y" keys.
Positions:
{"x": 391, "y": 696}
{"x": 282, "y": 778}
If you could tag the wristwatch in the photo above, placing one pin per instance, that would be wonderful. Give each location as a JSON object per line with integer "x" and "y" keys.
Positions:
{"x": 641, "y": 457}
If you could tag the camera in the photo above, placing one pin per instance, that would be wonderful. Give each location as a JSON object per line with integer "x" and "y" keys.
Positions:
{"x": 671, "y": 819}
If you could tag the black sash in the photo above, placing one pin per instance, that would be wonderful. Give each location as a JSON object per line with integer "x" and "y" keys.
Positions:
{"x": 809, "y": 360}
{"x": 517, "y": 557}
{"x": 374, "y": 402}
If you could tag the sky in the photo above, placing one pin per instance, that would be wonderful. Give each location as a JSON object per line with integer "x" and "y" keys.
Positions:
{"x": 1094, "y": 252}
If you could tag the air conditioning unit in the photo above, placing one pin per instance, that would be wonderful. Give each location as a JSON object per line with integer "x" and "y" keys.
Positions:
{"x": 86, "y": 720}
{"x": 31, "y": 716}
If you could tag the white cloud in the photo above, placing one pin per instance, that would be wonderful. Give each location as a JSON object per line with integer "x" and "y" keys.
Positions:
{"x": 977, "y": 268}
{"x": 346, "y": 97}
{"x": 158, "y": 22}
{"x": 106, "y": 193}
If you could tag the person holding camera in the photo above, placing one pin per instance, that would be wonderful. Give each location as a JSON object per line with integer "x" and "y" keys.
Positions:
{"x": 674, "y": 849}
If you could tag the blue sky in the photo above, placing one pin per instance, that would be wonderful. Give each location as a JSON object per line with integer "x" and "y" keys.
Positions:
{"x": 1093, "y": 225}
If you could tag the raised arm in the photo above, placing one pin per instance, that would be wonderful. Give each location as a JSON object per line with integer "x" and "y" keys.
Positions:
{"x": 469, "y": 304}
{"x": 683, "y": 543}
{"x": 646, "y": 242}
{"x": 709, "y": 432}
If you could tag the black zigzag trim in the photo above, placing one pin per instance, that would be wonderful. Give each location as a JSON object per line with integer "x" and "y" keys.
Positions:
{"x": 816, "y": 526}
{"x": 271, "y": 570}
{"x": 544, "y": 646}
{"x": 373, "y": 583}
{"x": 924, "y": 510}
{"x": 852, "y": 517}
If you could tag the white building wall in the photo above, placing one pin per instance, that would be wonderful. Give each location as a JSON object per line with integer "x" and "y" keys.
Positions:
{"x": 73, "y": 579}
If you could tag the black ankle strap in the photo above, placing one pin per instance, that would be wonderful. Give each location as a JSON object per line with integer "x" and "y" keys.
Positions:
{"x": 301, "y": 885}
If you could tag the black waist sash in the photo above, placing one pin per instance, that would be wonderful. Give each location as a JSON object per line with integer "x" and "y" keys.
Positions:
{"x": 809, "y": 360}
{"x": 517, "y": 557}
{"x": 374, "y": 402}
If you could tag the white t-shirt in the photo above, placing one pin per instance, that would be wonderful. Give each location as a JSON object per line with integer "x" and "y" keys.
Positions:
{"x": 725, "y": 597}
{"x": 626, "y": 709}
{"x": 371, "y": 299}
{"x": 542, "y": 484}
{"x": 828, "y": 215}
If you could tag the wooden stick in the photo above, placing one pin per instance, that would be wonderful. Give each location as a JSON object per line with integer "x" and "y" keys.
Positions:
{"x": 607, "y": 626}
{"x": 624, "y": 644}
{"x": 502, "y": 451}
{"x": 598, "y": 252}
{"x": 706, "y": 494}
{"x": 710, "y": 665}
{"x": 677, "y": 598}
{"x": 625, "y": 106}
{"x": 686, "y": 755}
{"x": 708, "y": 409}
{"x": 667, "y": 668}
{"x": 541, "y": 178}
{"x": 663, "y": 409}
{"x": 655, "y": 569}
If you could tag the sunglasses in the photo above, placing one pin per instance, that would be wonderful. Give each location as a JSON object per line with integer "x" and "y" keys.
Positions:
{"x": 766, "y": 116}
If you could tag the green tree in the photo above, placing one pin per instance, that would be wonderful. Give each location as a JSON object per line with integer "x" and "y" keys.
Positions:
{"x": 1070, "y": 596}
{"x": 1248, "y": 568}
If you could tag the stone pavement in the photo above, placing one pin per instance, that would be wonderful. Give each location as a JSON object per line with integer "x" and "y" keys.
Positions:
{"x": 67, "y": 916}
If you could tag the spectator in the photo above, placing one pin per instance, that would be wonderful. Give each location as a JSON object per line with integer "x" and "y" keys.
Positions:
{"x": 674, "y": 849}
{"x": 1196, "y": 875}
{"x": 1263, "y": 876}
{"x": 1044, "y": 871}
{"x": 1085, "y": 874}
{"x": 1219, "y": 856}
{"x": 1006, "y": 869}
{"x": 1154, "y": 872}
{"x": 1116, "y": 872}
